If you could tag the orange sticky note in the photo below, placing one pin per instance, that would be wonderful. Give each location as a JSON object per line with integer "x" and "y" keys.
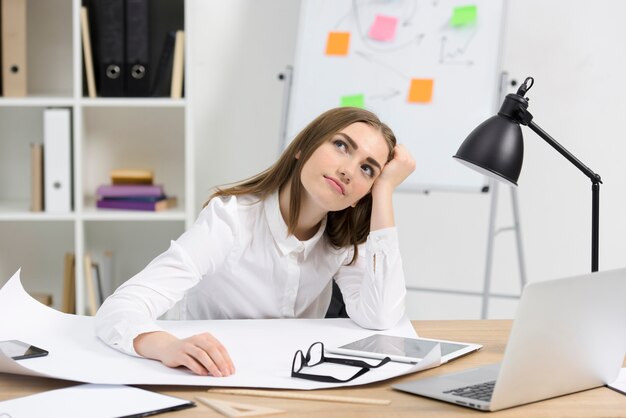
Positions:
{"x": 383, "y": 28}
{"x": 338, "y": 43}
{"x": 421, "y": 90}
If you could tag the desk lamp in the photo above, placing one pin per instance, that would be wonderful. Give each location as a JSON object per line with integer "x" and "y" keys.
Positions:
{"x": 496, "y": 149}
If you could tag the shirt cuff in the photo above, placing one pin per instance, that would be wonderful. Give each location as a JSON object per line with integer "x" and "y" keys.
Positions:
{"x": 130, "y": 332}
{"x": 385, "y": 240}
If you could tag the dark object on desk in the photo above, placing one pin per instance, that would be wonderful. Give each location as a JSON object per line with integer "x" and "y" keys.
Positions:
{"x": 337, "y": 307}
{"x": 19, "y": 350}
{"x": 496, "y": 149}
{"x": 315, "y": 356}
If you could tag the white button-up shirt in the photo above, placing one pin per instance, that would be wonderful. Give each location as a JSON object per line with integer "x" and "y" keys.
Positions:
{"x": 237, "y": 261}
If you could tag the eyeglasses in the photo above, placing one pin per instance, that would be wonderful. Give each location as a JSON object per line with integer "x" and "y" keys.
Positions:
{"x": 315, "y": 355}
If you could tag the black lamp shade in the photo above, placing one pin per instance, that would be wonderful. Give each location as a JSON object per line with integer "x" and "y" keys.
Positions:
{"x": 495, "y": 148}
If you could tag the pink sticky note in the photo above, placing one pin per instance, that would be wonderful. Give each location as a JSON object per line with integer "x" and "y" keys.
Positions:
{"x": 383, "y": 28}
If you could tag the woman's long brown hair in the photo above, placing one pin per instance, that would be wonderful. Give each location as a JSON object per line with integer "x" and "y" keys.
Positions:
{"x": 346, "y": 227}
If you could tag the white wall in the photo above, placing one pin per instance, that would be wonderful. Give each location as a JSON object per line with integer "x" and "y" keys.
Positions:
{"x": 574, "y": 51}
{"x": 240, "y": 47}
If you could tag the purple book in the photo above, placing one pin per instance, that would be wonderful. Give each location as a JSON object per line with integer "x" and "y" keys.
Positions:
{"x": 130, "y": 190}
{"x": 159, "y": 205}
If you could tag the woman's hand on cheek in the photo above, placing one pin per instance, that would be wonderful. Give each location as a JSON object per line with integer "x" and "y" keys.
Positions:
{"x": 395, "y": 171}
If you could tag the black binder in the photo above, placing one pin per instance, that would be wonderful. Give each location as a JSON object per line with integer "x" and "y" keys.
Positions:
{"x": 163, "y": 77}
{"x": 109, "y": 20}
{"x": 137, "y": 49}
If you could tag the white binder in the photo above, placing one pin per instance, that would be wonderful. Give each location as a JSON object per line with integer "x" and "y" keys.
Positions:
{"x": 57, "y": 138}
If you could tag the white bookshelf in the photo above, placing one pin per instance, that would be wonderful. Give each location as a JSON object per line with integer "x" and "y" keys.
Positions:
{"x": 108, "y": 133}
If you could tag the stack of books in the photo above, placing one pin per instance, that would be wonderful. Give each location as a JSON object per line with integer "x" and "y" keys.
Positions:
{"x": 133, "y": 190}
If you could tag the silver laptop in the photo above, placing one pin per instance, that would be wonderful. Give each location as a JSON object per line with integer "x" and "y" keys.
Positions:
{"x": 568, "y": 335}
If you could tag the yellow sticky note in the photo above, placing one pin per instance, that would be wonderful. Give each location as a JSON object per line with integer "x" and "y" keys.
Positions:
{"x": 421, "y": 90}
{"x": 338, "y": 43}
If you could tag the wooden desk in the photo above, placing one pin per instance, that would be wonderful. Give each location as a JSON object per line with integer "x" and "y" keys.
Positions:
{"x": 600, "y": 402}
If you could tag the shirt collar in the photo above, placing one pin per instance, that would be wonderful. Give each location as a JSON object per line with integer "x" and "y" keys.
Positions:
{"x": 287, "y": 243}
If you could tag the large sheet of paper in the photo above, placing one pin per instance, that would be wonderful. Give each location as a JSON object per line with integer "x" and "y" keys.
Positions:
{"x": 262, "y": 350}
{"x": 94, "y": 401}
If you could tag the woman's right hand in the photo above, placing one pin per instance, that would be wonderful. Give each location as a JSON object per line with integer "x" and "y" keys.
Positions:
{"x": 203, "y": 354}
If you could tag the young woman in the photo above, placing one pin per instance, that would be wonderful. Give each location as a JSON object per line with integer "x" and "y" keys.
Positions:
{"x": 271, "y": 246}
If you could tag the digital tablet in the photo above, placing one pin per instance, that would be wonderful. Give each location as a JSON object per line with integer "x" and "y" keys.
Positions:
{"x": 401, "y": 349}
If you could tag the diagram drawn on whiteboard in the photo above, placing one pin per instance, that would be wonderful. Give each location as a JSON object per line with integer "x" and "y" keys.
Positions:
{"x": 429, "y": 69}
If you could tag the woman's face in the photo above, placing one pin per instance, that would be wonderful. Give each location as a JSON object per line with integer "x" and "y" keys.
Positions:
{"x": 343, "y": 169}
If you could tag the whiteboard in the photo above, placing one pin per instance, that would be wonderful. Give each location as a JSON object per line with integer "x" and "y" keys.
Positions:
{"x": 429, "y": 41}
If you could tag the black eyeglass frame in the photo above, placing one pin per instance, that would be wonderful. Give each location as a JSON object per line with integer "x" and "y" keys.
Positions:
{"x": 305, "y": 362}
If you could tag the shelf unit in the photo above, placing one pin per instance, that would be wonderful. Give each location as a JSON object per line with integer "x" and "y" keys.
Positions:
{"x": 108, "y": 133}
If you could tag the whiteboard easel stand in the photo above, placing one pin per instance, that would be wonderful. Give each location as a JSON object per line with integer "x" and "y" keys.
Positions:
{"x": 287, "y": 77}
{"x": 491, "y": 236}
{"x": 492, "y": 233}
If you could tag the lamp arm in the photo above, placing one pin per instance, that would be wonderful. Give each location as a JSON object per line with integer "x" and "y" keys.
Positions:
{"x": 595, "y": 178}
{"x": 595, "y": 190}
{"x": 515, "y": 107}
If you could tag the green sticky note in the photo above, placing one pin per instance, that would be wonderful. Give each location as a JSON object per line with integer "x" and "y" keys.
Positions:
{"x": 464, "y": 15}
{"x": 355, "y": 100}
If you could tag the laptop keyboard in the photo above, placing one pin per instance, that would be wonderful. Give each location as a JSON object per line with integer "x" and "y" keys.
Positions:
{"x": 481, "y": 391}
